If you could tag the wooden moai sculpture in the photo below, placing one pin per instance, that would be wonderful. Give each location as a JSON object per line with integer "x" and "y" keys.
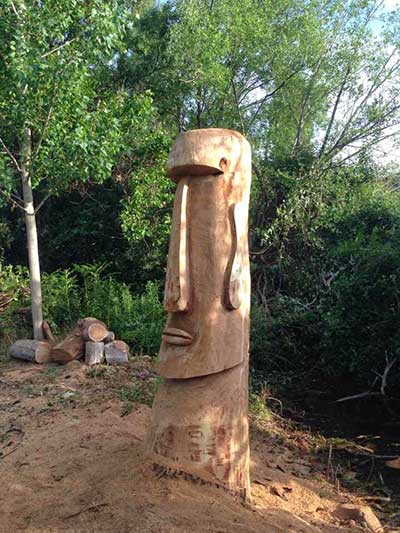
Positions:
{"x": 199, "y": 420}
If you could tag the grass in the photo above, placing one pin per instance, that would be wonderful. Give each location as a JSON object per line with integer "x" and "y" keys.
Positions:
{"x": 96, "y": 371}
{"x": 140, "y": 392}
{"x": 3, "y": 352}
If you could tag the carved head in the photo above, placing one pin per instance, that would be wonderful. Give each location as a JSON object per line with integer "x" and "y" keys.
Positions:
{"x": 207, "y": 290}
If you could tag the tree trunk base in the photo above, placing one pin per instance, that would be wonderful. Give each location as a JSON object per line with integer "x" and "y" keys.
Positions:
{"x": 200, "y": 428}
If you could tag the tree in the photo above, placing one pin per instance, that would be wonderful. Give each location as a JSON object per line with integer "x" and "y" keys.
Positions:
{"x": 60, "y": 122}
{"x": 293, "y": 76}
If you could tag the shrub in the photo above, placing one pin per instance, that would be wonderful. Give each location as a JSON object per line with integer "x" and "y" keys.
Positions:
{"x": 136, "y": 318}
{"x": 146, "y": 321}
{"x": 361, "y": 309}
{"x": 14, "y": 298}
{"x": 328, "y": 286}
{"x": 284, "y": 340}
{"x": 83, "y": 291}
{"x": 61, "y": 298}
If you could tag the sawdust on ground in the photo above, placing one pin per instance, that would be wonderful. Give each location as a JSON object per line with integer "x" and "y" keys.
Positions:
{"x": 71, "y": 459}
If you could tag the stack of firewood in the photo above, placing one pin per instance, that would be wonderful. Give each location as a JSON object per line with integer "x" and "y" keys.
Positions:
{"x": 90, "y": 339}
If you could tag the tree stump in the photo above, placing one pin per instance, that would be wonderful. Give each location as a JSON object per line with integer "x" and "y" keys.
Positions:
{"x": 30, "y": 350}
{"x": 94, "y": 353}
{"x": 116, "y": 352}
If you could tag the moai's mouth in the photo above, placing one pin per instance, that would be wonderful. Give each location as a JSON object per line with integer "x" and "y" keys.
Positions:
{"x": 176, "y": 336}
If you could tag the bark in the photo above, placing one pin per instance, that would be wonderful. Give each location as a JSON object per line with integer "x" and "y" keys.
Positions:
{"x": 47, "y": 332}
{"x": 30, "y": 350}
{"x": 110, "y": 337}
{"x": 32, "y": 238}
{"x": 72, "y": 347}
{"x": 116, "y": 352}
{"x": 94, "y": 353}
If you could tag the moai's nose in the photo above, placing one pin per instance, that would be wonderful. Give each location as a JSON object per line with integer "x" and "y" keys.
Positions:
{"x": 177, "y": 286}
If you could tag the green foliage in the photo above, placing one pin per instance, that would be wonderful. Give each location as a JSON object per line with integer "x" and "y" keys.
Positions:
{"x": 328, "y": 281}
{"x": 284, "y": 340}
{"x": 140, "y": 392}
{"x": 56, "y": 78}
{"x": 14, "y": 281}
{"x": 146, "y": 211}
{"x": 146, "y": 321}
{"x": 14, "y": 294}
{"x": 84, "y": 291}
{"x": 287, "y": 74}
{"x": 5, "y": 237}
{"x": 61, "y": 298}
{"x": 137, "y": 319}
{"x": 361, "y": 309}
{"x": 257, "y": 405}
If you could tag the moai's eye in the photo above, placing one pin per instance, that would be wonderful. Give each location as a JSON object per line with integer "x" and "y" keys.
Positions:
{"x": 223, "y": 164}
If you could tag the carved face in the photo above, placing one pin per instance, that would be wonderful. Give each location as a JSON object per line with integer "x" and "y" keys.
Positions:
{"x": 207, "y": 292}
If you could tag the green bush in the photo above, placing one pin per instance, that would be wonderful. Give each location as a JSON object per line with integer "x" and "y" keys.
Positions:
{"x": 146, "y": 320}
{"x": 14, "y": 300}
{"x": 136, "y": 318}
{"x": 328, "y": 287}
{"x": 61, "y": 298}
{"x": 83, "y": 291}
{"x": 284, "y": 341}
{"x": 361, "y": 309}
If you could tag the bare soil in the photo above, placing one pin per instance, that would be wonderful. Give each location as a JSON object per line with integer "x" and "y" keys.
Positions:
{"x": 71, "y": 459}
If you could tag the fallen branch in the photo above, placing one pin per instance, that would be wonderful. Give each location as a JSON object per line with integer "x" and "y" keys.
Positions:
{"x": 94, "y": 507}
{"x": 376, "y": 498}
{"x": 47, "y": 332}
{"x": 9, "y": 453}
{"x": 358, "y": 396}
{"x": 385, "y": 374}
{"x": 382, "y": 391}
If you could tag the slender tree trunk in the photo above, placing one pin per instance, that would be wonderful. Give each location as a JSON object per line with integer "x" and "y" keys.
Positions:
{"x": 31, "y": 235}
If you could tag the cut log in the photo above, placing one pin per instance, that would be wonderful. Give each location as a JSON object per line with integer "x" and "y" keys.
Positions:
{"x": 116, "y": 352}
{"x": 85, "y": 322}
{"x": 72, "y": 347}
{"x": 94, "y": 353}
{"x": 47, "y": 332}
{"x": 96, "y": 331}
{"x": 29, "y": 350}
{"x": 110, "y": 337}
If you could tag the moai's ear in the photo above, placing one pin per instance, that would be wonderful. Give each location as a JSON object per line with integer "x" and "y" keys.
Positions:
{"x": 234, "y": 277}
{"x": 177, "y": 285}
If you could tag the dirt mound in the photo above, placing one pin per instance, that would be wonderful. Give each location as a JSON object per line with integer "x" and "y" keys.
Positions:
{"x": 71, "y": 459}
